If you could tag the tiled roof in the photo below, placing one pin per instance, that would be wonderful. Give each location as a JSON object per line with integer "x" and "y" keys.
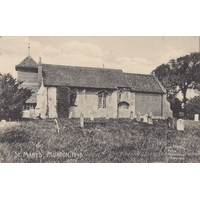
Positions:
{"x": 58, "y": 75}
{"x": 34, "y": 88}
{"x": 90, "y": 77}
{"x": 28, "y": 62}
{"x": 143, "y": 83}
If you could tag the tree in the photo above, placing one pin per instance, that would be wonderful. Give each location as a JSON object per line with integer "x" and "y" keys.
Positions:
{"x": 73, "y": 95}
{"x": 175, "y": 105}
{"x": 193, "y": 107}
{"x": 12, "y": 97}
{"x": 179, "y": 75}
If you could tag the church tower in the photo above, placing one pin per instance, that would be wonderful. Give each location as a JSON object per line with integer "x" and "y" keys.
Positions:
{"x": 27, "y": 71}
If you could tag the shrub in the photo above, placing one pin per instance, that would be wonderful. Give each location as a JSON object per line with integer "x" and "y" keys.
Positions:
{"x": 14, "y": 135}
{"x": 193, "y": 107}
{"x": 12, "y": 97}
{"x": 63, "y": 102}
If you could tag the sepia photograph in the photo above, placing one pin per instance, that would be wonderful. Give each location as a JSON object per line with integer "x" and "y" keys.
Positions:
{"x": 99, "y": 99}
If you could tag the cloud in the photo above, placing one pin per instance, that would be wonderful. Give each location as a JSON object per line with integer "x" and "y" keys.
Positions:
{"x": 14, "y": 45}
{"x": 168, "y": 53}
{"x": 8, "y": 62}
{"x": 84, "y": 53}
{"x": 135, "y": 65}
{"x": 15, "y": 49}
{"x": 75, "y": 47}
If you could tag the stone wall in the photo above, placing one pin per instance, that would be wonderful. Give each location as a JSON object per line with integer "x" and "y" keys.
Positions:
{"x": 52, "y": 102}
{"x": 87, "y": 103}
{"x": 41, "y": 102}
{"x": 167, "y": 112}
{"x": 46, "y": 108}
{"x": 147, "y": 102}
{"x": 125, "y": 96}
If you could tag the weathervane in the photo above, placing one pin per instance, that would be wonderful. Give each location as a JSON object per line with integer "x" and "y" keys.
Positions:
{"x": 29, "y": 48}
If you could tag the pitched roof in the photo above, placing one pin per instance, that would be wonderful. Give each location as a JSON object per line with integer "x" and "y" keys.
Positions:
{"x": 34, "y": 88}
{"x": 89, "y": 77}
{"x": 143, "y": 83}
{"x": 28, "y": 62}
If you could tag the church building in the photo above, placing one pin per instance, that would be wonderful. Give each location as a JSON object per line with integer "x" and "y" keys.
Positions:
{"x": 100, "y": 92}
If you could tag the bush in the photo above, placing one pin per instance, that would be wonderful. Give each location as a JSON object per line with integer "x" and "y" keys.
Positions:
{"x": 12, "y": 97}
{"x": 14, "y": 135}
{"x": 63, "y": 102}
{"x": 193, "y": 107}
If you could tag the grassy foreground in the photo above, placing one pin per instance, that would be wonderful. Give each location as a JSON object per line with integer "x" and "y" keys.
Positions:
{"x": 121, "y": 140}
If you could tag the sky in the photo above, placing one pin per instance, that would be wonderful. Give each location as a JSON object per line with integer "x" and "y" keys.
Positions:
{"x": 131, "y": 54}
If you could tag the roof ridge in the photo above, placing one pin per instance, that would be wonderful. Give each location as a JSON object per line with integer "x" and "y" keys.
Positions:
{"x": 143, "y": 83}
{"x": 139, "y": 74}
{"x": 160, "y": 84}
{"x": 82, "y": 67}
{"x": 27, "y": 57}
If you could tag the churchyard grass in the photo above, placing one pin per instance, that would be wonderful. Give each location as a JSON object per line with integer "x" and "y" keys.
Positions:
{"x": 119, "y": 141}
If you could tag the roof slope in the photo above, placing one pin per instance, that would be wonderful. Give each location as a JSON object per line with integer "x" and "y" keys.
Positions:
{"x": 58, "y": 75}
{"x": 28, "y": 62}
{"x": 143, "y": 83}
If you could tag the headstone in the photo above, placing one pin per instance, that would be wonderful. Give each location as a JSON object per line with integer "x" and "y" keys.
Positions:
{"x": 174, "y": 123}
{"x": 82, "y": 120}
{"x": 92, "y": 117}
{"x": 56, "y": 126}
{"x": 3, "y": 123}
{"x": 150, "y": 118}
{"x": 31, "y": 113}
{"x": 181, "y": 114}
{"x": 145, "y": 119}
{"x": 196, "y": 117}
{"x": 131, "y": 116}
{"x": 180, "y": 125}
{"x": 138, "y": 116}
{"x": 70, "y": 115}
{"x": 107, "y": 116}
{"x": 169, "y": 122}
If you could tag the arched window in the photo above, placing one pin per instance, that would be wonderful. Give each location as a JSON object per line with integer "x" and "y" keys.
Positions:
{"x": 123, "y": 105}
{"x": 120, "y": 94}
{"x": 102, "y": 99}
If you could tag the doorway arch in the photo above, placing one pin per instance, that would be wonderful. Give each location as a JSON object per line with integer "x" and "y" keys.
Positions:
{"x": 123, "y": 109}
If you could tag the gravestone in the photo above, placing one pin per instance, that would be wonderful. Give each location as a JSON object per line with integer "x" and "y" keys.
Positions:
{"x": 70, "y": 115}
{"x": 181, "y": 115}
{"x": 56, "y": 126}
{"x": 131, "y": 116}
{"x": 180, "y": 125}
{"x": 145, "y": 119}
{"x": 92, "y": 117}
{"x": 196, "y": 118}
{"x": 138, "y": 116}
{"x": 107, "y": 116}
{"x": 31, "y": 113}
{"x": 82, "y": 120}
{"x": 170, "y": 122}
{"x": 3, "y": 123}
{"x": 150, "y": 118}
